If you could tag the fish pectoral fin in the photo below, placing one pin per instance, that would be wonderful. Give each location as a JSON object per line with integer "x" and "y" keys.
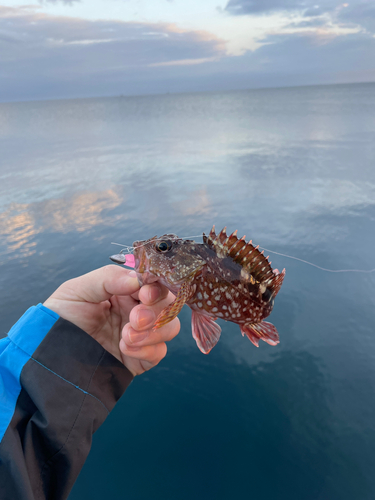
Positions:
{"x": 170, "y": 312}
{"x": 261, "y": 331}
{"x": 206, "y": 331}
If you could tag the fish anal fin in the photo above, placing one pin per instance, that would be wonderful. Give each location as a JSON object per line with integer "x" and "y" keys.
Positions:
{"x": 170, "y": 312}
{"x": 206, "y": 331}
{"x": 261, "y": 331}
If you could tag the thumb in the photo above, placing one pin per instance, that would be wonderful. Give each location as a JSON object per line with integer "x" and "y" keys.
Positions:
{"x": 99, "y": 285}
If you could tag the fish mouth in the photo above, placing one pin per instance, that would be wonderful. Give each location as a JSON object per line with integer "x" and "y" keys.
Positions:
{"x": 139, "y": 257}
{"x": 144, "y": 275}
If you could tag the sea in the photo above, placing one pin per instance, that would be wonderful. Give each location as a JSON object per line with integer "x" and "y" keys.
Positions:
{"x": 293, "y": 169}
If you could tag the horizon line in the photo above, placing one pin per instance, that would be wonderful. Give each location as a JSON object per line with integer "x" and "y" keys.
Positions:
{"x": 127, "y": 96}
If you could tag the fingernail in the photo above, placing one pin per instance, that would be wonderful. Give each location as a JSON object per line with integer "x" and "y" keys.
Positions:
{"x": 137, "y": 336}
{"x": 154, "y": 294}
{"x": 132, "y": 274}
{"x": 146, "y": 317}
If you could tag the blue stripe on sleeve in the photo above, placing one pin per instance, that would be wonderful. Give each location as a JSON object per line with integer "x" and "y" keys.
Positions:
{"x": 15, "y": 351}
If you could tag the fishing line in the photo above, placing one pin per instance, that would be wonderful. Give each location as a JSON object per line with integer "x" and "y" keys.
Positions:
{"x": 318, "y": 267}
{"x": 130, "y": 249}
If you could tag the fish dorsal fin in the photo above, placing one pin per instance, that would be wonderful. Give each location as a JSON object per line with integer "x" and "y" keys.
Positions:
{"x": 277, "y": 281}
{"x": 245, "y": 254}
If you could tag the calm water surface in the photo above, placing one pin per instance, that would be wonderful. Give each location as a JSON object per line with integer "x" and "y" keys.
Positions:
{"x": 294, "y": 170}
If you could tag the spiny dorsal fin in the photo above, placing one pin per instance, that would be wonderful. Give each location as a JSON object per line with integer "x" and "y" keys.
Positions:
{"x": 211, "y": 237}
{"x": 249, "y": 257}
{"x": 246, "y": 255}
{"x": 277, "y": 281}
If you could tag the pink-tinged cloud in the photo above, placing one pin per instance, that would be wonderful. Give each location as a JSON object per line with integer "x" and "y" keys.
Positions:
{"x": 39, "y": 50}
{"x": 44, "y": 57}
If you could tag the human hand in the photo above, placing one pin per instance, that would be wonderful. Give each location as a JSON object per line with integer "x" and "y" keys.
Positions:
{"x": 109, "y": 305}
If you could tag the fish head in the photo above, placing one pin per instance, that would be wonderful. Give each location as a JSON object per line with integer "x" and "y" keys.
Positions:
{"x": 168, "y": 259}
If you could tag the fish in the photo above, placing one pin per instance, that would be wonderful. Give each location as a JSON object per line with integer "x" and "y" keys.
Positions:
{"x": 224, "y": 277}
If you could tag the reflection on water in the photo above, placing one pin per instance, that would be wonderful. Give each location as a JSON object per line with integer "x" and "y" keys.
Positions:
{"x": 17, "y": 229}
{"x": 290, "y": 168}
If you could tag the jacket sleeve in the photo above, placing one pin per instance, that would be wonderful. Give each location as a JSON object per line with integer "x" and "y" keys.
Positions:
{"x": 57, "y": 386}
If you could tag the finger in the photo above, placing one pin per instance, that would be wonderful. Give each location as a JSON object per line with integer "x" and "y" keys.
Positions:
{"x": 149, "y": 294}
{"x": 122, "y": 304}
{"x": 135, "y": 296}
{"x": 143, "y": 317}
{"x": 136, "y": 338}
{"x": 99, "y": 285}
{"x": 149, "y": 356}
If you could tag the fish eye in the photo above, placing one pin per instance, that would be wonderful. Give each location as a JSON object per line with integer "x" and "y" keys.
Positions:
{"x": 163, "y": 246}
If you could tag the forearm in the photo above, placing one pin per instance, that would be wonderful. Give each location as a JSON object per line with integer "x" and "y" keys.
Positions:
{"x": 58, "y": 386}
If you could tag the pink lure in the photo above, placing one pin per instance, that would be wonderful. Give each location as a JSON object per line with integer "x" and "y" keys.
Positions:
{"x": 126, "y": 260}
{"x": 129, "y": 260}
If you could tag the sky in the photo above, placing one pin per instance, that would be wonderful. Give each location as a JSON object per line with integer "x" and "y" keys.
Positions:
{"x": 85, "y": 48}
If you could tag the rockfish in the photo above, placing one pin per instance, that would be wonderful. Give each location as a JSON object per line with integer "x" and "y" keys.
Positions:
{"x": 223, "y": 277}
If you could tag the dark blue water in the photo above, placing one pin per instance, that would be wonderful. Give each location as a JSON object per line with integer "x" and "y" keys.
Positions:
{"x": 294, "y": 170}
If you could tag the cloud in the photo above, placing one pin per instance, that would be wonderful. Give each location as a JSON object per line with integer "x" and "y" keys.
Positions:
{"x": 313, "y": 54}
{"x": 361, "y": 13}
{"x": 46, "y": 57}
{"x": 352, "y": 13}
{"x": 241, "y": 7}
{"x": 41, "y": 54}
{"x": 66, "y": 2}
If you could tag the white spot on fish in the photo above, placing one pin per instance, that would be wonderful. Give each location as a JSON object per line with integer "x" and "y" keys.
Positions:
{"x": 245, "y": 274}
{"x": 200, "y": 295}
{"x": 205, "y": 294}
{"x": 209, "y": 303}
{"x": 225, "y": 307}
{"x": 217, "y": 297}
{"x": 214, "y": 309}
{"x": 200, "y": 304}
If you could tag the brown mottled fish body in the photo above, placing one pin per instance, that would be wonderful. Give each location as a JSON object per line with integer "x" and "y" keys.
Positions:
{"x": 223, "y": 277}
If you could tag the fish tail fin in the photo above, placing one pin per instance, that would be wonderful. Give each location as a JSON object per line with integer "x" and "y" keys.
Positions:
{"x": 261, "y": 331}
